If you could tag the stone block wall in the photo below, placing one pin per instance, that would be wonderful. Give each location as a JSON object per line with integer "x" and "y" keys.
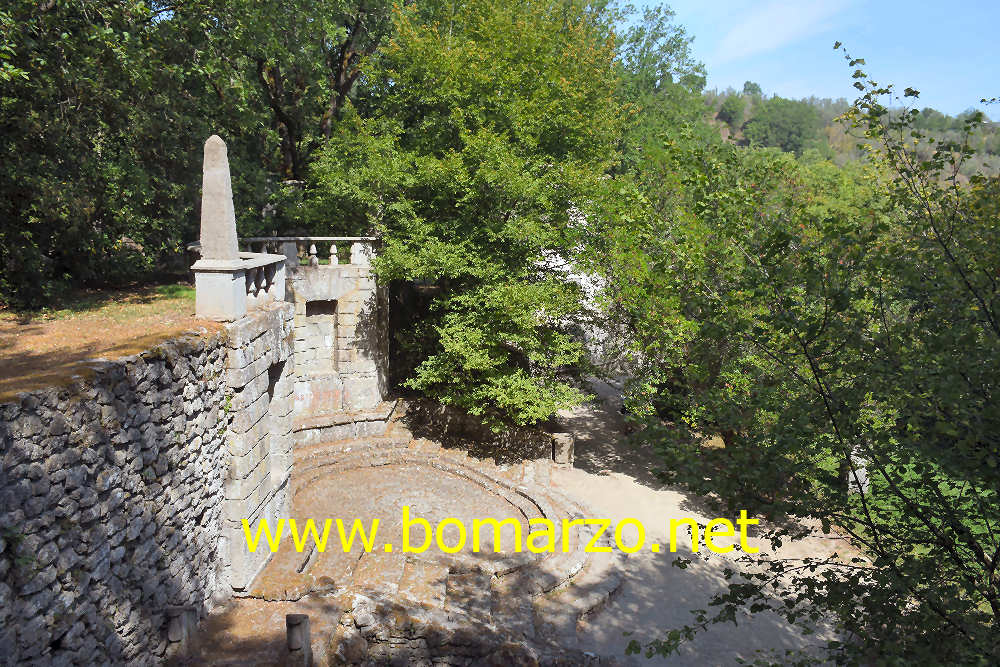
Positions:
{"x": 259, "y": 378}
{"x": 121, "y": 494}
{"x": 340, "y": 340}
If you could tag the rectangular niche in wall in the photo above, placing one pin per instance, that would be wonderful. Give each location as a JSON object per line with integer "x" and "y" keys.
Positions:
{"x": 321, "y": 336}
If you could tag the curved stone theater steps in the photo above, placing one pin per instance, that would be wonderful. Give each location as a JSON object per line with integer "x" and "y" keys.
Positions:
{"x": 524, "y": 603}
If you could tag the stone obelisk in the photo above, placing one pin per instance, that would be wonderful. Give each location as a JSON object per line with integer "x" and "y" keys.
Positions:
{"x": 220, "y": 282}
{"x": 218, "y": 216}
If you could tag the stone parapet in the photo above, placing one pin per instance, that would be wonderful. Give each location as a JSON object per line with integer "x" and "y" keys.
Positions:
{"x": 229, "y": 283}
{"x": 122, "y": 495}
{"x": 340, "y": 341}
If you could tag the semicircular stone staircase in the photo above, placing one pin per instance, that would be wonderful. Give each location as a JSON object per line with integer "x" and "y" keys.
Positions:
{"x": 384, "y": 606}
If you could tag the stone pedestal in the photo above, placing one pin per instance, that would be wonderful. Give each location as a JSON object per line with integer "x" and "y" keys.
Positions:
{"x": 219, "y": 276}
{"x": 298, "y": 640}
{"x": 562, "y": 448}
{"x": 220, "y": 293}
{"x": 182, "y": 623}
{"x": 291, "y": 252}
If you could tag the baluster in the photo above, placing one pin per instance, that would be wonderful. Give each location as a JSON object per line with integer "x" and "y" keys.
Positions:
{"x": 291, "y": 252}
{"x": 313, "y": 259}
{"x": 334, "y": 260}
{"x": 269, "y": 272}
{"x": 360, "y": 254}
{"x": 259, "y": 280}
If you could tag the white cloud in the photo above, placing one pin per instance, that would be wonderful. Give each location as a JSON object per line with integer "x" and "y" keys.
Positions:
{"x": 769, "y": 26}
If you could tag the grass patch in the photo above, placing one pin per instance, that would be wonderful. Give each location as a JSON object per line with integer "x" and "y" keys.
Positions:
{"x": 177, "y": 291}
{"x": 118, "y": 304}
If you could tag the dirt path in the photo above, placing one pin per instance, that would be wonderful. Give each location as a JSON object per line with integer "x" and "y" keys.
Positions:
{"x": 614, "y": 478}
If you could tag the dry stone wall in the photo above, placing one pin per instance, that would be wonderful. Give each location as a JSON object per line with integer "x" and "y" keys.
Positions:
{"x": 112, "y": 491}
{"x": 385, "y": 632}
{"x": 120, "y": 493}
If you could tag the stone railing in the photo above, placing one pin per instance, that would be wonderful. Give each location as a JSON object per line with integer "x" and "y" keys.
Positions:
{"x": 315, "y": 250}
{"x": 264, "y": 277}
{"x": 263, "y": 283}
{"x": 228, "y": 282}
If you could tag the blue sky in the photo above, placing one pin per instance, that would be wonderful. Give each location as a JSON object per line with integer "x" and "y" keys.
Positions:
{"x": 949, "y": 51}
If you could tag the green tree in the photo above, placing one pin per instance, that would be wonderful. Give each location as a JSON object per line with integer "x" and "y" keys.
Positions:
{"x": 105, "y": 106}
{"x": 655, "y": 54}
{"x": 751, "y": 89}
{"x": 89, "y": 193}
{"x": 731, "y": 111}
{"x": 298, "y": 62}
{"x": 660, "y": 82}
{"x": 477, "y": 155}
{"x": 786, "y": 124}
{"x": 837, "y": 330}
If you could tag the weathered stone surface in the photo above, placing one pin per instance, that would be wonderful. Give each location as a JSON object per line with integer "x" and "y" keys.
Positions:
{"x": 218, "y": 217}
{"x": 129, "y": 488}
{"x": 120, "y": 495}
{"x": 562, "y": 448}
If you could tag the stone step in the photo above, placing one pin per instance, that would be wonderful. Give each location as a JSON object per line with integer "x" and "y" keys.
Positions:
{"x": 379, "y": 573}
{"x": 514, "y": 613}
{"x": 558, "y": 612}
{"x": 554, "y": 569}
{"x": 471, "y": 593}
{"x": 515, "y": 592}
{"x": 424, "y": 582}
{"x": 333, "y": 567}
{"x": 538, "y": 472}
{"x": 252, "y": 632}
{"x": 512, "y": 474}
{"x": 282, "y": 578}
{"x": 334, "y": 448}
{"x": 424, "y": 445}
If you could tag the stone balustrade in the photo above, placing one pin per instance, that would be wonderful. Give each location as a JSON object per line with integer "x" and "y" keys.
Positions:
{"x": 315, "y": 250}
{"x": 264, "y": 276}
{"x": 251, "y": 283}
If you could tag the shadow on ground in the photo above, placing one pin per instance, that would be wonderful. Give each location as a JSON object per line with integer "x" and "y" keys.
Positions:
{"x": 617, "y": 478}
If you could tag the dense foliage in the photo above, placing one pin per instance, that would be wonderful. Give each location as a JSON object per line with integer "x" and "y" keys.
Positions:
{"x": 812, "y": 125}
{"x": 104, "y": 105}
{"x": 787, "y": 124}
{"x": 835, "y": 329}
{"x": 486, "y": 133}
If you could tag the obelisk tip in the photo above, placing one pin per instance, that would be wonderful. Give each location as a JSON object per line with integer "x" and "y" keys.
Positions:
{"x": 215, "y": 151}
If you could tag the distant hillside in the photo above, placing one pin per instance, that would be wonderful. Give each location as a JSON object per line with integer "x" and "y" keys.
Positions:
{"x": 811, "y": 124}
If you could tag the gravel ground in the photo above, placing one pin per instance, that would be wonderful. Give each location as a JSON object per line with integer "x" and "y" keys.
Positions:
{"x": 614, "y": 479}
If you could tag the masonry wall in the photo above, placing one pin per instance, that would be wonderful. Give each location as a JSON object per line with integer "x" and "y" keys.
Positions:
{"x": 260, "y": 377}
{"x": 120, "y": 493}
{"x": 340, "y": 342}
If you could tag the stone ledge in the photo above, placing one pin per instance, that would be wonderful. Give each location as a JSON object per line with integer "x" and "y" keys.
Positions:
{"x": 350, "y": 430}
{"x": 380, "y": 413}
{"x": 258, "y": 322}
